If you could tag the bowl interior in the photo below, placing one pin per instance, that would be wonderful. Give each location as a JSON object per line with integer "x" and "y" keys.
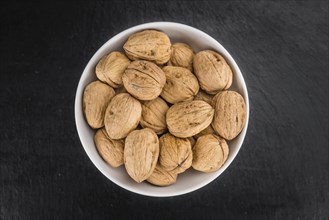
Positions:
{"x": 189, "y": 180}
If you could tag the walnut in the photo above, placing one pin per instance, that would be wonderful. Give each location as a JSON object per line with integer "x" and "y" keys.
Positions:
{"x": 110, "y": 150}
{"x": 154, "y": 115}
{"x": 212, "y": 70}
{"x": 209, "y": 153}
{"x": 148, "y": 45}
{"x": 175, "y": 153}
{"x": 162, "y": 177}
{"x": 230, "y": 114}
{"x": 122, "y": 115}
{"x": 181, "y": 84}
{"x": 111, "y": 67}
{"x": 144, "y": 80}
{"x": 185, "y": 119}
{"x": 181, "y": 55}
{"x": 96, "y": 97}
{"x": 141, "y": 154}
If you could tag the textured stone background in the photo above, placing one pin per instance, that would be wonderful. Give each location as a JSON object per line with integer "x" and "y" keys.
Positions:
{"x": 281, "y": 171}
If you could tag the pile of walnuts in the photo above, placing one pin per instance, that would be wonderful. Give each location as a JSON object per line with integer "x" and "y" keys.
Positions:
{"x": 160, "y": 108}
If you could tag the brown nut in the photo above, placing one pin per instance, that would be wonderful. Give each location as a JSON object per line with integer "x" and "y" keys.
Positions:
{"x": 212, "y": 70}
{"x": 111, "y": 67}
{"x": 185, "y": 119}
{"x": 175, "y": 153}
{"x": 122, "y": 115}
{"x": 230, "y": 114}
{"x": 202, "y": 95}
{"x": 96, "y": 97}
{"x": 154, "y": 115}
{"x": 181, "y": 84}
{"x": 148, "y": 45}
{"x": 181, "y": 55}
{"x": 144, "y": 80}
{"x": 141, "y": 154}
{"x": 161, "y": 177}
{"x": 110, "y": 150}
{"x": 209, "y": 153}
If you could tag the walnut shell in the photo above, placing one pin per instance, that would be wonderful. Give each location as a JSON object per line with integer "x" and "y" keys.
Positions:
{"x": 96, "y": 97}
{"x": 181, "y": 84}
{"x": 148, "y": 45}
{"x": 110, "y": 150}
{"x": 230, "y": 114}
{"x": 111, "y": 67}
{"x": 181, "y": 55}
{"x": 122, "y": 115}
{"x": 175, "y": 153}
{"x": 185, "y": 119}
{"x": 161, "y": 177}
{"x": 209, "y": 153}
{"x": 141, "y": 154}
{"x": 202, "y": 95}
{"x": 212, "y": 70}
{"x": 154, "y": 115}
{"x": 144, "y": 80}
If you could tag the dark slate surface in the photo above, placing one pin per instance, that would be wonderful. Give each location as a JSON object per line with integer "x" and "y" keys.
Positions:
{"x": 281, "y": 171}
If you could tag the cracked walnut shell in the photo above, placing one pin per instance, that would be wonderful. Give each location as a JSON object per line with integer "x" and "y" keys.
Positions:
{"x": 212, "y": 70}
{"x": 96, "y": 97}
{"x": 144, "y": 80}
{"x": 111, "y": 67}
{"x": 122, "y": 115}
{"x": 209, "y": 153}
{"x": 230, "y": 114}
{"x": 185, "y": 119}
{"x": 181, "y": 84}
{"x": 110, "y": 150}
{"x": 175, "y": 153}
{"x": 148, "y": 45}
{"x": 141, "y": 154}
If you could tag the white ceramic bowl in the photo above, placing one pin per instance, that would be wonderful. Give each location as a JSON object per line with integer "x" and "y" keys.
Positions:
{"x": 190, "y": 180}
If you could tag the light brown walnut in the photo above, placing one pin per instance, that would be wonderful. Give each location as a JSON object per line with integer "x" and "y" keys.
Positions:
{"x": 181, "y": 55}
{"x": 209, "y": 153}
{"x": 213, "y": 72}
{"x": 162, "y": 177}
{"x": 230, "y": 114}
{"x": 148, "y": 45}
{"x": 122, "y": 115}
{"x": 154, "y": 115}
{"x": 141, "y": 154}
{"x": 175, "y": 153}
{"x": 96, "y": 97}
{"x": 110, "y": 150}
{"x": 144, "y": 80}
{"x": 111, "y": 67}
{"x": 185, "y": 119}
{"x": 181, "y": 84}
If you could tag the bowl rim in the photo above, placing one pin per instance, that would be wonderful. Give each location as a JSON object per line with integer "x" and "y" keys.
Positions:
{"x": 153, "y": 25}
